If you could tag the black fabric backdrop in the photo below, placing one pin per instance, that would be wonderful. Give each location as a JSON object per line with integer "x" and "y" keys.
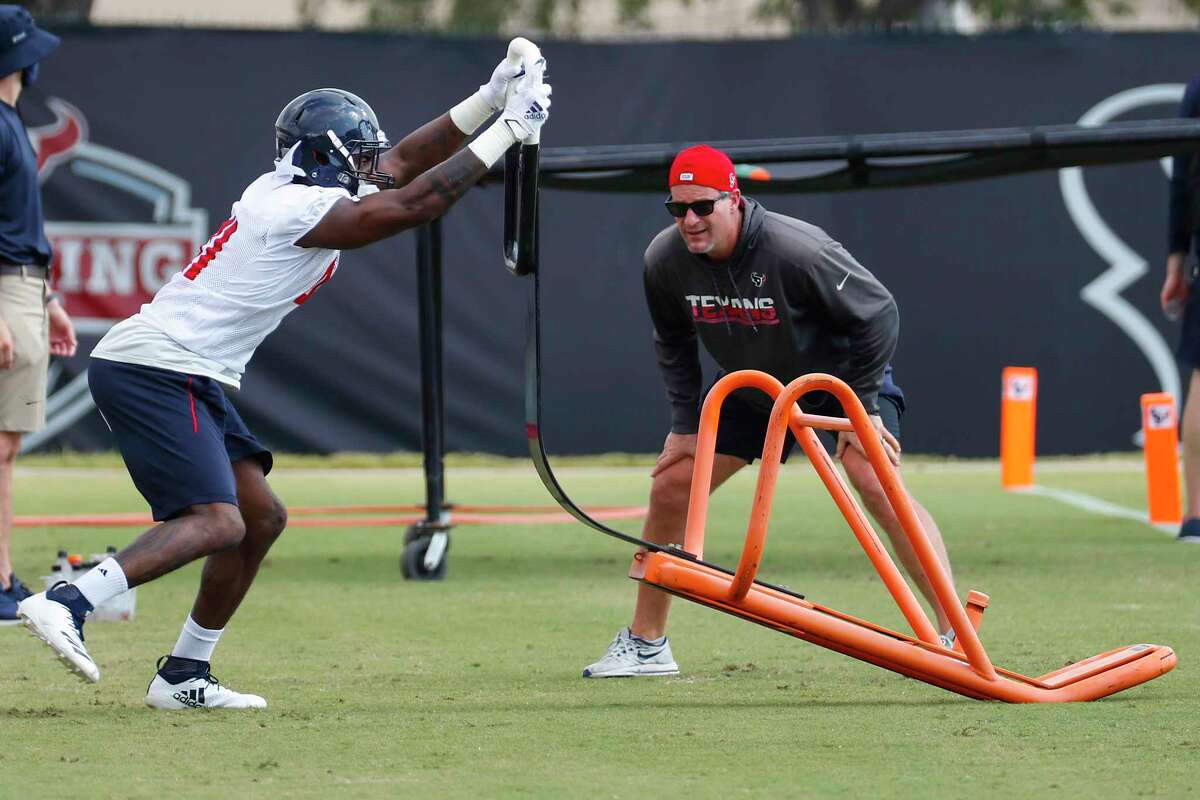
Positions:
{"x": 986, "y": 274}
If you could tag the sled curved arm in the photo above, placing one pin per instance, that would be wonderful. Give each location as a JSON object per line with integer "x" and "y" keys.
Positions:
{"x": 521, "y": 209}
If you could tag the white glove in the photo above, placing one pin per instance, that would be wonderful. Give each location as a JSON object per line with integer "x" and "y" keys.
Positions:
{"x": 494, "y": 90}
{"x": 491, "y": 96}
{"x": 527, "y": 110}
{"x": 521, "y": 121}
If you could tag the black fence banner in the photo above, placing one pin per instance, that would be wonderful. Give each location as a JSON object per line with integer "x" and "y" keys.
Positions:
{"x": 147, "y": 136}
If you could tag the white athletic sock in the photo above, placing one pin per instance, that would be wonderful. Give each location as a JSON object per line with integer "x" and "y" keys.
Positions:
{"x": 102, "y": 582}
{"x": 652, "y": 642}
{"x": 196, "y": 642}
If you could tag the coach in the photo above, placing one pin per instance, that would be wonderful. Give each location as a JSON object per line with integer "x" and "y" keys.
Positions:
{"x": 760, "y": 291}
{"x": 33, "y": 323}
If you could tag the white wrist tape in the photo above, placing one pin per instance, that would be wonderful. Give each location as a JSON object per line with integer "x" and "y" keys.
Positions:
{"x": 471, "y": 113}
{"x": 491, "y": 145}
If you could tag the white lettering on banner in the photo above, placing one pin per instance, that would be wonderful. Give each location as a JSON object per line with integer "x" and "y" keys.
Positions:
{"x": 70, "y": 271}
{"x": 1019, "y": 387}
{"x": 158, "y": 261}
{"x": 1160, "y": 415}
{"x": 114, "y": 271}
{"x": 112, "y": 268}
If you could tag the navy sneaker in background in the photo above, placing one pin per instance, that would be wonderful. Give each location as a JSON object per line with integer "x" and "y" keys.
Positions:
{"x": 17, "y": 588}
{"x": 8, "y": 610}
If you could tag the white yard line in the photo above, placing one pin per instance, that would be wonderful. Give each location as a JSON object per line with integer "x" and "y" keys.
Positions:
{"x": 1097, "y": 506}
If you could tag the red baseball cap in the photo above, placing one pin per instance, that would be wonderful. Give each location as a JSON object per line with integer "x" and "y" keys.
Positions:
{"x": 702, "y": 165}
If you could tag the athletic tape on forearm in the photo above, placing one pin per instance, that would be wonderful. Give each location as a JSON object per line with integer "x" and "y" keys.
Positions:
{"x": 493, "y": 143}
{"x": 471, "y": 113}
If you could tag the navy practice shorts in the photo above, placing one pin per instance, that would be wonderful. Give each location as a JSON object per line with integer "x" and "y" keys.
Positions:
{"x": 178, "y": 434}
{"x": 1189, "y": 336}
{"x": 743, "y": 427}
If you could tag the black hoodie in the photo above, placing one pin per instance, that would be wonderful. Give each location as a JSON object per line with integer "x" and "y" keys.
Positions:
{"x": 788, "y": 301}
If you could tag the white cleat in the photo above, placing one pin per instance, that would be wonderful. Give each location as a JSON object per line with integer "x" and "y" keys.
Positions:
{"x": 629, "y": 656}
{"x": 54, "y": 624}
{"x": 202, "y": 692}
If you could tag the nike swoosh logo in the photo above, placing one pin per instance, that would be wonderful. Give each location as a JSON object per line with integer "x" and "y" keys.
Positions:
{"x": 32, "y": 402}
{"x": 647, "y": 656}
{"x": 844, "y": 279}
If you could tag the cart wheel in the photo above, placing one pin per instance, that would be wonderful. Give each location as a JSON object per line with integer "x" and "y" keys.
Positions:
{"x": 424, "y": 556}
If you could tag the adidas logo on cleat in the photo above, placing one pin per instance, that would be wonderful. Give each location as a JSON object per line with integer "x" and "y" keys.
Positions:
{"x": 192, "y": 698}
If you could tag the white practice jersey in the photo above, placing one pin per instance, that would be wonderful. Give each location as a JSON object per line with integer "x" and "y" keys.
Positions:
{"x": 210, "y": 317}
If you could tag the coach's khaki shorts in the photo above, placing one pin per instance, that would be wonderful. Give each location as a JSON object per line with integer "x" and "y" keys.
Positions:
{"x": 23, "y": 385}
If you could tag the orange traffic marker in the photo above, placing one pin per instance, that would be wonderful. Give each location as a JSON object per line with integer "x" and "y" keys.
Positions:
{"x": 1161, "y": 446}
{"x": 967, "y": 669}
{"x": 1018, "y": 423}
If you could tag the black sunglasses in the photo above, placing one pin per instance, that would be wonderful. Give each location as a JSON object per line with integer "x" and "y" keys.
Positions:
{"x": 703, "y": 208}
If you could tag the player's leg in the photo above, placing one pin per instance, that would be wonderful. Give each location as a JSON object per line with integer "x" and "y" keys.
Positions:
{"x": 171, "y": 437}
{"x": 184, "y": 678}
{"x": 1190, "y": 530}
{"x": 227, "y": 575}
{"x": 864, "y": 480}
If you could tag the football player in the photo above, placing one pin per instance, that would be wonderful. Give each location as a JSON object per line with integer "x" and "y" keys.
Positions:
{"x": 160, "y": 377}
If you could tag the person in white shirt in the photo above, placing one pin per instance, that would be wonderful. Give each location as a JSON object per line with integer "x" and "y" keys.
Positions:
{"x": 158, "y": 377}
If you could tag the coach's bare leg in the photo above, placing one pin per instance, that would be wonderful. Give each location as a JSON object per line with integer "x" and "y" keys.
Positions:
{"x": 665, "y": 521}
{"x": 199, "y": 531}
{"x": 10, "y": 445}
{"x": 1191, "y": 446}
{"x": 866, "y": 483}
{"x": 228, "y": 574}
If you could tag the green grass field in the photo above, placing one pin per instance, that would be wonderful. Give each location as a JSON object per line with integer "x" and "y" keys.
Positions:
{"x": 470, "y": 687}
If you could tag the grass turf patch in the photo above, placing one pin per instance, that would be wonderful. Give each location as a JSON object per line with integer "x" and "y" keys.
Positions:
{"x": 470, "y": 687}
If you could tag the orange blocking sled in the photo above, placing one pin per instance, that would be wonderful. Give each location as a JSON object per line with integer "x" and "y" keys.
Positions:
{"x": 919, "y": 656}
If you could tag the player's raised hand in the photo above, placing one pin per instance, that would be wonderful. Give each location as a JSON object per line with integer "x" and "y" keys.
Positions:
{"x": 527, "y": 109}
{"x": 495, "y": 91}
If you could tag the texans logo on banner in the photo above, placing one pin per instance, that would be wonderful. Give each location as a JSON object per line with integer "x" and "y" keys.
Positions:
{"x": 119, "y": 227}
{"x": 1020, "y": 387}
{"x": 1160, "y": 416}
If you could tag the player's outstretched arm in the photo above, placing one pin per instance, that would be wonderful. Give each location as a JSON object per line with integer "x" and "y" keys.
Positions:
{"x": 436, "y": 141}
{"x": 350, "y": 224}
{"x": 430, "y": 144}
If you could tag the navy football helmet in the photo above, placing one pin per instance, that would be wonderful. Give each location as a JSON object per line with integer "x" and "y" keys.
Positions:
{"x": 340, "y": 136}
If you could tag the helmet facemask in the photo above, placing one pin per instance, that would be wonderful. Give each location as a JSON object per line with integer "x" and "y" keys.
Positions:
{"x": 358, "y": 160}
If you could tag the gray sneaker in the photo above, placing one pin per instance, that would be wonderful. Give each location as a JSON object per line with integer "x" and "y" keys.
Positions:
{"x": 629, "y": 656}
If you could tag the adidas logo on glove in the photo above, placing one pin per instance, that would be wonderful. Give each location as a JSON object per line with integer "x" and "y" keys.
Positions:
{"x": 535, "y": 111}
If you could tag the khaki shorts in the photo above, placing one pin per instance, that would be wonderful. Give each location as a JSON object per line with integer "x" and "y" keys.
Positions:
{"x": 23, "y": 385}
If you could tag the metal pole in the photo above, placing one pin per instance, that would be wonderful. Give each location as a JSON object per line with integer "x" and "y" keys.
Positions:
{"x": 429, "y": 298}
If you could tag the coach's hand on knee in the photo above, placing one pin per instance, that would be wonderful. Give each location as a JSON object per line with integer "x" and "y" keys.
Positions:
{"x": 677, "y": 447}
{"x": 891, "y": 446}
